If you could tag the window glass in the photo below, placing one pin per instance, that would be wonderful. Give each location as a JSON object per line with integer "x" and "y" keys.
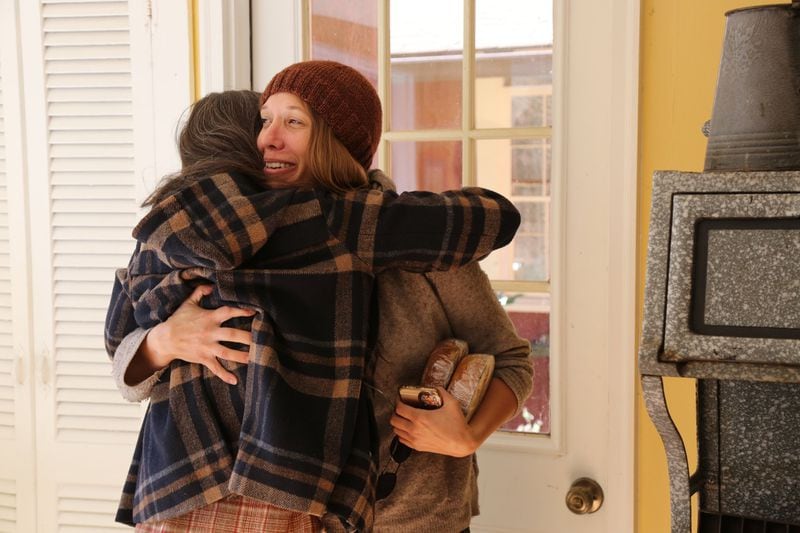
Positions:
{"x": 513, "y": 63}
{"x": 426, "y": 63}
{"x": 530, "y": 313}
{"x": 519, "y": 169}
{"x": 430, "y": 166}
{"x": 346, "y": 32}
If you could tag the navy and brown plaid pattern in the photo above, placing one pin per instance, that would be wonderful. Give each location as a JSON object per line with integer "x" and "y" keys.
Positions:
{"x": 298, "y": 430}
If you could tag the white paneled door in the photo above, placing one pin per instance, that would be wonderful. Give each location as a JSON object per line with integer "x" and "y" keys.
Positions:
{"x": 17, "y": 457}
{"x": 93, "y": 114}
{"x": 524, "y": 478}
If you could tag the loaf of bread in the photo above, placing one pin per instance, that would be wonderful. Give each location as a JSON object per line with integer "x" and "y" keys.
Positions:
{"x": 470, "y": 381}
{"x": 442, "y": 362}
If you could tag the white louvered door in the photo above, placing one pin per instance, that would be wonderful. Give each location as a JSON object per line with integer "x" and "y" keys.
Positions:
{"x": 100, "y": 110}
{"x": 17, "y": 460}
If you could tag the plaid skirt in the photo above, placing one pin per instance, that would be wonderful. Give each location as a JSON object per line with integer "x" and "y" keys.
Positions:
{"x": 236, "y": 514}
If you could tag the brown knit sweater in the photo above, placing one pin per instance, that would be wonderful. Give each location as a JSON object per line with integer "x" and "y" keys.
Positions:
{"x": 436, "y": 492}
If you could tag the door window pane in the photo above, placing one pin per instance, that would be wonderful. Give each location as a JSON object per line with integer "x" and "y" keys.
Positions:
{"x": 430, "y": 166}
{"x": 519, "y": 169}
{"x": 346, "y": 32}
{"x": 426, "y": 63}
{"x": 513, "y": 63}
{"x": 530, "y": 313}
{"x": 530, "y": 167}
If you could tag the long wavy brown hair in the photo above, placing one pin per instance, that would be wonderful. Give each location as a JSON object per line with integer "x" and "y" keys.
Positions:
{"x": 219, "y": 136}
{"x": 330, "y": 164}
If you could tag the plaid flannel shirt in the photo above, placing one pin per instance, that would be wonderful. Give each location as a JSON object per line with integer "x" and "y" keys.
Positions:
{"x": 297, "y": 431}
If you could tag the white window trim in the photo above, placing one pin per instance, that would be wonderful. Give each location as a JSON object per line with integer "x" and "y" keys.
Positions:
{"x": 277, "y": 26}
{"x": 223, "y": 45}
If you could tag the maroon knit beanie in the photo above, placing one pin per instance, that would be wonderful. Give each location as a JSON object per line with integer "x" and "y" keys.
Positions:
{"x": 341, "y": 96}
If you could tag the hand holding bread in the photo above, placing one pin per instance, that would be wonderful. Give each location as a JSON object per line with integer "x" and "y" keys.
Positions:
{"x": 464, "y": 376}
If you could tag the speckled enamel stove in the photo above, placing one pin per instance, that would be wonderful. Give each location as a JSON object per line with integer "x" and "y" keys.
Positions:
{"x": 722, "y": 305}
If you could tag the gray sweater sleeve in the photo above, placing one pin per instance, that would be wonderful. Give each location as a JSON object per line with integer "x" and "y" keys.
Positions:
{"x": 477, "y": 317}
{"x": 122, "y": 359}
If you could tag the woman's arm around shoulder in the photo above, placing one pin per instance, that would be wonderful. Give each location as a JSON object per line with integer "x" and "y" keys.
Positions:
{"x": 420, "y": 231}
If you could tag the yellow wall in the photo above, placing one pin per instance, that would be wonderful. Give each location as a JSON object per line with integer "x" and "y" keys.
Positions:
{"x": 681, "y": 42}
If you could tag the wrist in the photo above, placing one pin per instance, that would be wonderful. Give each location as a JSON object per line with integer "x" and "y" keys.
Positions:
{"x": 152, "y": 348}
{"x": 474, "y": 439}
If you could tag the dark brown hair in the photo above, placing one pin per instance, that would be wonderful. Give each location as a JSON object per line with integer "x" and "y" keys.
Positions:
{"x": 219, "y": 136}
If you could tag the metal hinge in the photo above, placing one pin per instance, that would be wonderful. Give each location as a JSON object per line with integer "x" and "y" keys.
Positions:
{"x": 45, "y": 369}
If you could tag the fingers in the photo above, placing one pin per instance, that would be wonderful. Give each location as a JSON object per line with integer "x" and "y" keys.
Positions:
{"x": 230, "y": 354}
{"x": 216, "y": 368}
{"x": 226, "y": 312}
{"x": 199, "y": 292}
{"x": 239, "y": 336}
{"x": 407, "y": 443}
{"x": 405, "y": 410}
{"x": 401, "y": 424}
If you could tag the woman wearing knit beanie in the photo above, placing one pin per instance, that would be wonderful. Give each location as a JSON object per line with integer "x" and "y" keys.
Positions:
{"x": 321, "y": 127}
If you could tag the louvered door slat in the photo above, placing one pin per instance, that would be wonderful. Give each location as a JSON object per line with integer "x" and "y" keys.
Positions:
{"x": 86, "y": 178}
{"x": 98, "y": 94}
{"x": 70, "y": 274}
{"x": 85, "y": 24}
{"x": 94, "y": 288}
{"x": 79, "y": 220}
{"x": 91, "y": 137}
{"x": 88, "y": 80}
{"x": 105, "y": 397}
{"x": 92, "y": 234}
{"x": 99, "y": 192}
{"x": 83, "y": 53}
{"x": 71, "y": 368}
{"x": 85, "y": 314}
{"x": 99, "y": 38}
{"x": 99, "y": 9}
{"x": 104, "y": 124}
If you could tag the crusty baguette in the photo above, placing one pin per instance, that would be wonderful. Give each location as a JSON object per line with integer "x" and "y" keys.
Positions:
{"x": 470, "y": 381}
{"x": 442, "y": 362}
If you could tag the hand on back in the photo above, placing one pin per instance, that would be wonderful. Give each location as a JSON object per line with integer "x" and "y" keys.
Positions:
{"x": 193, "y": 334}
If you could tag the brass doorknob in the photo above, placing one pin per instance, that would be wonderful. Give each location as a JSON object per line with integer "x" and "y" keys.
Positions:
{"x": 584, "y": 496}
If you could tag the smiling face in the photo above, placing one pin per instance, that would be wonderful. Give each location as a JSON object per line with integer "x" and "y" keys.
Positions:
{"x": 284, "y": 140}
